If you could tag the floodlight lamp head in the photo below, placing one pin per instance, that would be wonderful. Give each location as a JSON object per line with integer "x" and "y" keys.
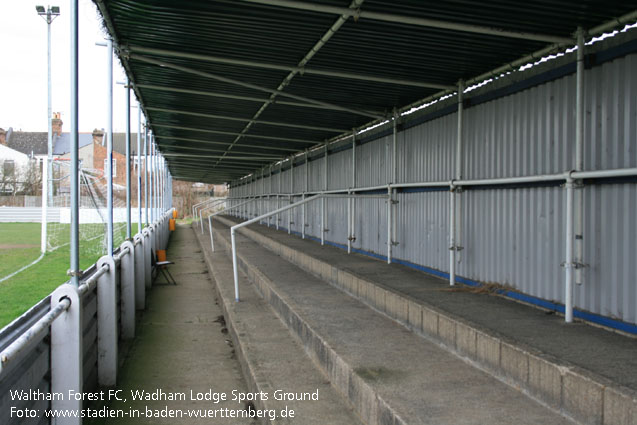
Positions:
{"x": 55, "y": 10}
{"x": 40, "y": 10}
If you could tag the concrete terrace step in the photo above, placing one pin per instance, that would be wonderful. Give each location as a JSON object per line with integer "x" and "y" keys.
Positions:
{"x": 585, "y": 372}
{"x": 389, "y": 374}
{"x": 271, "y": 359}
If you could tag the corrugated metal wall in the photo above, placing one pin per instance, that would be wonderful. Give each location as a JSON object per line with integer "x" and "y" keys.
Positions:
{"x": 513, "y": 237}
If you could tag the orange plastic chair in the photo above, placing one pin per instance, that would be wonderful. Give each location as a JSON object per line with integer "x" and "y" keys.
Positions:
{"x": 162, "y": 266}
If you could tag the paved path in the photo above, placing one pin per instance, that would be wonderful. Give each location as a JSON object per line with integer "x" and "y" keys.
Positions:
{"x": 181, "y": 345}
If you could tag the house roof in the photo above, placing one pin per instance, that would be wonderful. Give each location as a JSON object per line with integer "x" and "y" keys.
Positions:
{"x": 62, "y": 144}
{"x": 11, "y": 154}
{"x": 28, "y": 142}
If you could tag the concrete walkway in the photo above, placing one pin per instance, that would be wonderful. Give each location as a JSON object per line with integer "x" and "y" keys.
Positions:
{"x": 181, "y": 346}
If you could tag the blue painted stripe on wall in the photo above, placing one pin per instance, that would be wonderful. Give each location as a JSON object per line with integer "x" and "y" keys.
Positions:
{"x": 529, "y": 299}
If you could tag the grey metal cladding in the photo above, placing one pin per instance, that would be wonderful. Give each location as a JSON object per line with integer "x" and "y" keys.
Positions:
{"x": 513, "y": 237}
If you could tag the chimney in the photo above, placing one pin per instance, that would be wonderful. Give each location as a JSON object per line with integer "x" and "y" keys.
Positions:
{"x": 3, "y": 136}
{"x": 56, "y": 124}
{"x": 98, "y": 136}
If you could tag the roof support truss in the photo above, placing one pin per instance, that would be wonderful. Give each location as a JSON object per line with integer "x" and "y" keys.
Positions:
{"x": 412, "y": 20}
{"x": 246, "y": 85}
{"x": 225, "y": 117}
{"x": 295, "y": 69}
{"x": 229, "y": 133}
{"x": 246, "y": 98}
{"x": 208, "y": 142}
{"x": 309, "y": 55}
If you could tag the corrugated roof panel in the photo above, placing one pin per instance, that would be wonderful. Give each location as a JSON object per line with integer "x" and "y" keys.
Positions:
{"x": 267, "y": 35}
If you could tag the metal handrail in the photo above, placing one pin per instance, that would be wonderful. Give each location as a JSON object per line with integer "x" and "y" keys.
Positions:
{"x": 562, "y": 176}
{"x": 34, "y": 332}
{"x": 234, "y": 228}
{"x": 90, "y": 283}
{"x": 255, "y": 220}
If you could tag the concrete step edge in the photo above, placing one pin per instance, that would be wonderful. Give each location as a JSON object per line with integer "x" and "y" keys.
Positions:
{"x": 576, "y": 392}
{"x": 367, "y": 403}
{"x": 255, "y": 379}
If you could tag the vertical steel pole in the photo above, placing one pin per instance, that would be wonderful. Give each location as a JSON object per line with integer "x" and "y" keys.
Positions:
{"x": 146, "y": 172}
{"x": 352, "y": 200}
{"x": 75, "y": 186}
{"x": 394, "y": 173}
{"x": 579, "y": 158}
{"x": 278, "y": 195}
{"x": 235, "y": 272}
{"x": 459, "y": 131}
{"x": 452, "y": 235}
{"x": 49, "y": 158}
{"x": 109, "y": 148}
{"x": 291, "y": 191}
{"x": 453, "y": 248}
{"x": 139, "y": 168}
{"x": 45, "y": 183}
{"x": 569, "y": 264}
{"x": 129, "y": 231}
{"x": 304, "y": 195}
{"x": 212, "y": 241}
{"x": 152, "y": 177}
{"x": 389, "y": 189}
{"x": 323, "y": 199}
{"x": 269, "y": 193}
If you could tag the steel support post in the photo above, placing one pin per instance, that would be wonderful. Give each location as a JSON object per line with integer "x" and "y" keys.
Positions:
{"x": 107, "y": 320}
{"x": 148, "y": 251}
{"x": 129, "y": 231}
{"x": 278, "y": 195}
{"x": 324, "y": 200}
{"x": 352, "y": 201}
{"x": 569, "y": 263}
{"x": 212, "y": 241}
{"x": 291, "y": 191}
{"x": 146, "y": 173}
{"x": 235, "y": 270}
{"x": 392, "y": 195}
{"x": 49, "y": 140}
{"x": 452, "y": 235}
{"x": 109, "y": 148}
{"x": 389, "y": 221}
{"x": 75, "y": 185}
{"x": 153, "y": 167}
{"x": 45, "y": 184}
{"x": 579, "y": 159}
{"x": 152, "y": 178}
{"x": 140, "y": 270}
{"x": 454, "y": 228}
{"x": 349, "y": 223}
{"x": 139, "y": 168}
{"x": 303, "y": 214}
{"x": 128, "y": 289}
{"x": 67, "y": 372}
{"x": 269, "y": 202}
{"x": 459, "y": 157}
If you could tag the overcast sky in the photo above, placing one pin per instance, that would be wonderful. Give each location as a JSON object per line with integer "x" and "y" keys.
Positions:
{"x": 23, "y": 71}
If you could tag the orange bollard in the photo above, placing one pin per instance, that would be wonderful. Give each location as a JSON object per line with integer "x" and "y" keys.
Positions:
{"x": 175, "y": 214}
{"x": 171, "y": 224}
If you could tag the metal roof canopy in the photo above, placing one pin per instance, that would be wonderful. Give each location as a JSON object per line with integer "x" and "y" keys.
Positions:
{"x": 231, "y": 86}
